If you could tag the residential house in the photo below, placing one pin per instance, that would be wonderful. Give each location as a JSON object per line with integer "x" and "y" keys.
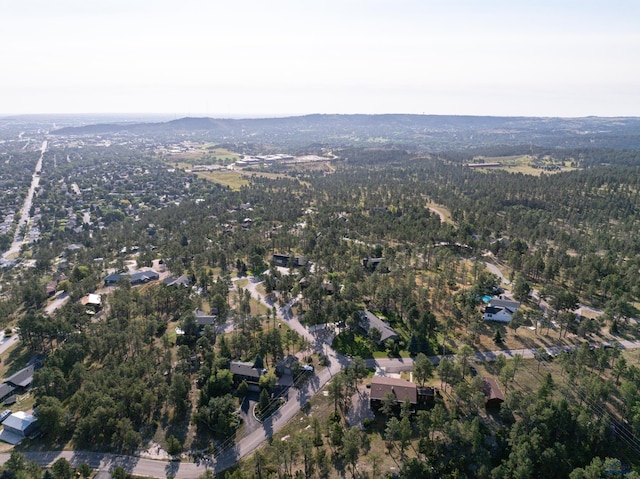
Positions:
{"x": 139, "y": 277}
{"x": 369, "y": 320}
{"x": 92, "y": 303}
{"x": 6, "y": 391}
{"x": 243, "y": 371}
{"x": 401, "y": 390}
{"x": 500, "y": 310}
{"x": 51, "y": 288}
{"x": 22, "y": 379}
{"x": 143, "y": 277}
{"x": 113, "y": 279}
{"x": 427, "y": 394}
{"x": 18, "y": 426}
{"x": 287, "y": 260}
{"x": 177, "y": 281}
{"x": 203, "y": 319}
{"x": 492, "y": 392}
{"x": 372, "y": 264}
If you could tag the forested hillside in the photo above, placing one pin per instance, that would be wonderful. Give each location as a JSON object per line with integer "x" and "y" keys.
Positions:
{"x": 407, "y": 232}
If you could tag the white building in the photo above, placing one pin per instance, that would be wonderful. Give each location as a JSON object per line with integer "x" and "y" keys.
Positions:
{"x": 500, "y": 310}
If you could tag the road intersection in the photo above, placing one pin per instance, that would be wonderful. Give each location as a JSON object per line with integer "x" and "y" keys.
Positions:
{"x": 227, "y": 457}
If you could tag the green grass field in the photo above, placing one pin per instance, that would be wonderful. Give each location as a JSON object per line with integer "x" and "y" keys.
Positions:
{"x": 232, "y": 179}
{"x": 523, "y": 164}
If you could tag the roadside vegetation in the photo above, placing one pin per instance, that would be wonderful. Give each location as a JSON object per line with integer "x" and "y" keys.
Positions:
{"x": 328, "y": 244}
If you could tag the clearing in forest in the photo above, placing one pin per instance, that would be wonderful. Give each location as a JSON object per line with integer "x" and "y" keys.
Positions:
{"x": 442, "y": 211}
{"x": 526, "y": 164}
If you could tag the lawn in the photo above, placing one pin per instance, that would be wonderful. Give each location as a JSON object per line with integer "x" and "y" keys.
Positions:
{"x": 523, "y": 164}
{"x": 351, "y": 344}
{"x": 232, "y": 179}
{"x": 442, "y": 211}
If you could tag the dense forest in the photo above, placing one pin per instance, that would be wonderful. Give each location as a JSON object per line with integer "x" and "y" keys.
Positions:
{"x": 564, "y": 238}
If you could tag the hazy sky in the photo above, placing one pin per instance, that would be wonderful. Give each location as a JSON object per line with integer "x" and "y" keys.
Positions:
{"x": 277, "y": 57}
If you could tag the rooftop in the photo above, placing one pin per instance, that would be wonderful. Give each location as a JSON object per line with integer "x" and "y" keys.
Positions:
{"x": 369, "y": 320}
{"x": 401, "y": 389}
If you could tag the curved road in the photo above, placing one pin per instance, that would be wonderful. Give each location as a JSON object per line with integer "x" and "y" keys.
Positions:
{"x": 296, "y": 399}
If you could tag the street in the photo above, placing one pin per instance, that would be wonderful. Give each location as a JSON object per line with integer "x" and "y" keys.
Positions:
{"x": 296, "y": 398}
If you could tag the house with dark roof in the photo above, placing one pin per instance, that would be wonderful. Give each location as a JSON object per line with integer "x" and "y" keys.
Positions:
{"x": 203, "y": 319}
{"x": 381, "y": 386}
{"x": 373, "y": 264}
{"x": 22, "y": 379}
{"x": 113, "y": 279}
{"x": 287, "y": 260}
{"x": 244, "y": 371}
{"x": 427, "y": 394}
{"x": 143, "y": 277}
{"x": 369, "y": 320}
{"x": 6, "y": 391}
{"x": 492, "y": 392}
{"x": 139, "y": 277}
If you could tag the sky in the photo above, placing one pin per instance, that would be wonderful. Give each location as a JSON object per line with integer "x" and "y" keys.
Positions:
{"x": 251, "y": 58}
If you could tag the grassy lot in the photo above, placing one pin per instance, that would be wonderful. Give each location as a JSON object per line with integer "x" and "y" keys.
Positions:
{"x": 202, "y": 155}
{"x": 233, "y": 179}
{"x": 442, "y": 211}
{"x": 523, "y": 164}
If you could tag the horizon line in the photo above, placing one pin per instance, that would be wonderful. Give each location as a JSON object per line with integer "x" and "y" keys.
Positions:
{"x": 257, "y": 116}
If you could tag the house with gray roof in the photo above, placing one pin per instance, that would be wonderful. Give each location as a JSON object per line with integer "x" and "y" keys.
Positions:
{"x": 369, "y": 320}
{"x": 177, "y": 281}
{"x": 22, "y": 379}
{"x": 6, "y": 391}
{"x": 203, "y": 319}
{"x": 18, "y": 426}
{"x": 136, "y": 278}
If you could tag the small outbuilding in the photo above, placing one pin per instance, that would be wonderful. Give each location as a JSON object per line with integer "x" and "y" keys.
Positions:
{"x": 92, "y": 303}
{"x": 492, "y": 392}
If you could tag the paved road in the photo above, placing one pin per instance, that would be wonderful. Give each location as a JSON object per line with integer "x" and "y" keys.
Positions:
{"x": 26, "y": 207}
{"x": 107, "y": 462}
{"x": 7, "y": 342}
{"x": 189, "y": 470}
{"x": 495, "y": 270}
{"x": 394, "y": 365}
{"x": 296, "y": 398}
{"x": 283, "y": 313}
{"x": 58, "y": 301}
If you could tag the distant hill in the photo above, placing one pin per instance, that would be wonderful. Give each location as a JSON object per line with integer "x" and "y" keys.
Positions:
{"x": 432, "y": 132}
